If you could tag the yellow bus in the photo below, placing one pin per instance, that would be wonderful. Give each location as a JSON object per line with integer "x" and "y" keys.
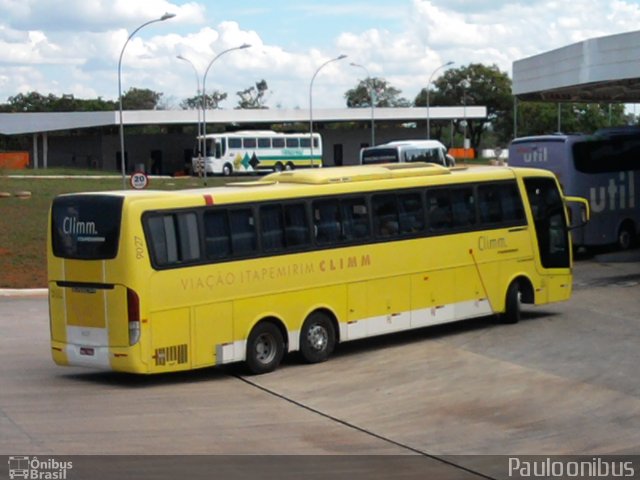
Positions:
{"x": 158, "y": 281}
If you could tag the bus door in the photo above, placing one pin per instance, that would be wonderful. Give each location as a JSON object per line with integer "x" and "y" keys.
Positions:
{"x": 551, "y": 237}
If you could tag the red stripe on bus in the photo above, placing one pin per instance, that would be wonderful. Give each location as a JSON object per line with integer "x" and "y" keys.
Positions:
{"x": 208, "y": 199}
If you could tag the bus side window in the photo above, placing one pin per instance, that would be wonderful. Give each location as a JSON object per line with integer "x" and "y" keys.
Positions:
{"x": 296, "y": 225}
{"x": 271, "y": 227}
{"x": 511, "y": 202}
{"x": 326, "y": 218}
{"x": 439, "y": 206}
{"x": 489, "y": 204}
{"x": 162, "y": 238}
{"x": 463, "y": 207}
{"x": 189, "y": 236}
{"x": 243, "y": 232}
{"x": 411, "y": 213}
{"x": 249, "y": 143}
{"x": 216, "y": 231}
{"x": 385, "y": 215}
{"x": 175, "y": 238}
{"x": 355, "y": 218}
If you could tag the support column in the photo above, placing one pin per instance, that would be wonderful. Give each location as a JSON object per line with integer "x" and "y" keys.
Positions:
{"x": 45, "y": 150}
{"x": 35, "y": 151}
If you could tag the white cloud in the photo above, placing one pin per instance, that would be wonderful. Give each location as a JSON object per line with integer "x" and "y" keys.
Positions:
{"x": 72, "y": 46}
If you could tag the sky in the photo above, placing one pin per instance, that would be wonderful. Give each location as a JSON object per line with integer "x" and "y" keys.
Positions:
{"x": 73, "y": 46}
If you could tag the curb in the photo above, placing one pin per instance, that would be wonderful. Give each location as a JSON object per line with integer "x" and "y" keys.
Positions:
{"x": 24, "y": 292}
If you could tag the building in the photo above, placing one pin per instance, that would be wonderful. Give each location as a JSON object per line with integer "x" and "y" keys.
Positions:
{"x": 91, "y": 139}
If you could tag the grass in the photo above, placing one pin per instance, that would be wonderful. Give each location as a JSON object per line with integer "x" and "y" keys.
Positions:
{"x": 23, "y": 221}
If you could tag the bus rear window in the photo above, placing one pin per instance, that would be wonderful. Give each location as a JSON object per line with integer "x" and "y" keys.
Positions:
{"x": 86, "y": 227}
{"x": 379, "y": 155}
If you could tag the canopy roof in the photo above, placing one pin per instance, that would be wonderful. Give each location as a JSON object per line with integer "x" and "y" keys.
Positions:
{"x": 604, "y": 69}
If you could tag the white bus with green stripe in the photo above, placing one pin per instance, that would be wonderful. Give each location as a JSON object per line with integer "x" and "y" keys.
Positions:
{"x": 258, "y": 150}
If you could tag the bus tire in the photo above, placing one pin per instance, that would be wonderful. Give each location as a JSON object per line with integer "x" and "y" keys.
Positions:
{"x": 289, "y": 166}
{"x": 227, "y": 170}
{"x": 513, "y": 302}
{"x": 265, "y": 348}
{"x": 317, "y": 338}
{"x": 278, "y": 167}
{"x": 626, "y": 235}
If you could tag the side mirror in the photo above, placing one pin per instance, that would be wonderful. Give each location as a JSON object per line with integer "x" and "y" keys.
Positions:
{"x": 451, "y": 162}
{"x": 585, "y": 212}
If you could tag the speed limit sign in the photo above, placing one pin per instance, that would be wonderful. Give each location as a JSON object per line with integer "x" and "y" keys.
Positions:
{"x": 139, "y": 180}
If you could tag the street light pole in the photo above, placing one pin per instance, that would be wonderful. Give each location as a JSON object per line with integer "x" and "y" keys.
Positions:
{"x": 428, "y": 105}
{"x": 164, "y": 17}
{"x": 465, "y": 84}
{"x": 372, "y": 97}
{"x": 204, "y": 103}
{"x": 311, "y": 100}
{"x": 200, "y": 139}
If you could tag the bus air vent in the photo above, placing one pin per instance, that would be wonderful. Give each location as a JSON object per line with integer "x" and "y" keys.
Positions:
{"x": 173, "y": 355}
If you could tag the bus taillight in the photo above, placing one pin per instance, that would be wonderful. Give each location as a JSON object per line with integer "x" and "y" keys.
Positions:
{"x": 133, "y": 311}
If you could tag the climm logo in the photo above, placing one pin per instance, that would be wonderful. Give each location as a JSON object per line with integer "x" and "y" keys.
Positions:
{"x": 73, "y": 226}
{"x": 616, "y": 195}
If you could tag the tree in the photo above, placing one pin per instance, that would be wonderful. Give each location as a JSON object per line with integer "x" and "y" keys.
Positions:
{"x": 140, "y": 99}
{"x": 29, "y": 102}
{"x": 36, "y": 102}
{"x": 385, "y": 94}
{"x": 475, "y": 84}
{"x": 212, "y": 101}
{"x": 253, "y": 97}
{"x": 535, "y": 118}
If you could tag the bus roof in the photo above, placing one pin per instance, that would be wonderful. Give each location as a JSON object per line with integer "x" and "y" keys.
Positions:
{"x": 319, "y": 182}
{"x": 358, "y": 173}
{"x": 258, "y": 133}
{"x": 415, "y": 143}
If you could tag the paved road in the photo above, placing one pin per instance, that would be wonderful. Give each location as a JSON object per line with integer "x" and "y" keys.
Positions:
{"x": 563, "y": 381}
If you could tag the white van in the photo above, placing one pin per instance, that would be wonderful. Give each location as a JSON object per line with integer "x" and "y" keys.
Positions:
{"x": 407, "y": 151}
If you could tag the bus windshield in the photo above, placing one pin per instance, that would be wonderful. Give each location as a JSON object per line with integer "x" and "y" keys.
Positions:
{"x": 607, "y": 155}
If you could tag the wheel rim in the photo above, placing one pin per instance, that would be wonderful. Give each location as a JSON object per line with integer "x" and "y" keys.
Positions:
{"x": 318, "y": 338}
{"x": 265, "y": 348}
{"x": 624, "y": 239}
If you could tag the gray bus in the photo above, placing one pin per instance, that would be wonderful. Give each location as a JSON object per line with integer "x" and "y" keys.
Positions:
{"x": 603, "y": 168}
{"x": 407, "y": 151}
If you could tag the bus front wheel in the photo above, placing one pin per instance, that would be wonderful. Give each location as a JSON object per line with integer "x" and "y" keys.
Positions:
{"x": 227, "y": 170}
{"x": 265, "y": 348}
{"x": 513, "y": 302}
{"x": 317, "y": 338}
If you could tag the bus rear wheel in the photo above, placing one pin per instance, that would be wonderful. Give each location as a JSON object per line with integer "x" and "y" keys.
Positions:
{"x": 265, "y": 348}
{"x": 513, "y": 302}
{"x": 626, "y": 236}
{"x": 317, "y": 338}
